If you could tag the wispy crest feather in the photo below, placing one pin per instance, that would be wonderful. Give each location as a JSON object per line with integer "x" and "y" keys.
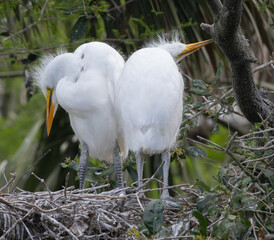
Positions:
{"x": 39, "y": 69}
{"x": 165, "y": 38}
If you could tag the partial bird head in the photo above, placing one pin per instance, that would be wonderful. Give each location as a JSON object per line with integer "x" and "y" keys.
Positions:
{"x": 50, "y": 71}
{"x": 176, "y": 48}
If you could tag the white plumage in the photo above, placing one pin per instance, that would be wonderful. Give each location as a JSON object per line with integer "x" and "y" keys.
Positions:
{"x": 150, "y": 101}
{"x": 83, "y": 83}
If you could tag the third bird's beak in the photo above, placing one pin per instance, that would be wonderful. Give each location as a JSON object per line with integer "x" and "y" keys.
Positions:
{"x": 50, "y": 109}
{"x": 190, "y": 48}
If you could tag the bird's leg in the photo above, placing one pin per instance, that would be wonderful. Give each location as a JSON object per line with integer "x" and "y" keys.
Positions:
{"x": 166, "y": 159}
{"x": 83, "y": 164}
{"x": 118, "y": 164}
{"x": 140, "y": 166}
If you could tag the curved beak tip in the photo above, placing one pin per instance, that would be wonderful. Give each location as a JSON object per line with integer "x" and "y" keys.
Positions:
{"x": 192, "y": 47}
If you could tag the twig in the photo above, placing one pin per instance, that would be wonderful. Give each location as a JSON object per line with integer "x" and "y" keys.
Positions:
{"x": 211, "y": 105}
{"x": 35, "y": 206}
{"x": 31, "y": 167}
{"x": 55, "y": 222}
{"x": 13, "y": 176}
{"x": 27, "y": 230}
{"x": 258, "y": 132}
{"x": 14, "y": 225}
{"x": 65, "y": 189}
{"x": 12, "y": 74}
{"x": 201, "y": 143}
{"x": 212, "y": 143}
{"x": 263, "y": 66}
{"x": 214, "y": 223}
{"x": 44, "y": 183}
{"x": 253, "y": 227}
{"x": 258, "y": 159}
{"x": 176, "y": 237}
{"x": 138, "y": 200}
{"x": 233, "y": 157}
{"x": 29, "y": 26}
{"x": 85, "y": 10}
{"x": 90, "y": 189}
{"x": 231, "y": 141}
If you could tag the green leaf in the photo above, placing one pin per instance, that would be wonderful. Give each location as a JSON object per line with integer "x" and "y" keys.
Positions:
{"x": 143, "y": 229}
{"x": 153, "y": 216}
{"x": 270, "y": 224}
{"x": 195, "y": 151}
{"x": 221, "y": 228}
{"x": 202, "y": 185}
{"x": 269, "y": 174}
{"x": 206, "y": 202}
{"x": 79, "y": 29}
{"x": 246, "y": 181}
{"x": 218, "y": 73}
{"x": 199, "y": 92}
{"x": 132, "y": 172}
{"x": 202, "y": 222}
{"x": 197, "y": 83}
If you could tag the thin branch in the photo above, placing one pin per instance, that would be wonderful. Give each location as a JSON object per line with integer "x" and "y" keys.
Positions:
{"x": 263, "y": 66}
{"x": 29, "y": 26}
{"x": 12, "y": 74}
{"x": 13, "y": 176}
{"x": 211, "y": 105}
{"x": 55, "y": 222}
{"x": 3, "y": 237}
{"x": 44, "y": 183}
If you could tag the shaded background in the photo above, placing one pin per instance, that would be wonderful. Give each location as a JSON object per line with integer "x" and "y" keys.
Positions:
{"x": 30, "y": 29}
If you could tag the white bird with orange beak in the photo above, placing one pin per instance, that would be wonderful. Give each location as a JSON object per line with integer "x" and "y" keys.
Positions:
{"x": 150, "y": 101}
{"x": 83, "y": 83}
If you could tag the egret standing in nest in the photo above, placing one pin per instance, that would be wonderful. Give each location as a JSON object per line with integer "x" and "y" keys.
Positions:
{"x": 84, "y": 83}
{"x": 150, "y": 101}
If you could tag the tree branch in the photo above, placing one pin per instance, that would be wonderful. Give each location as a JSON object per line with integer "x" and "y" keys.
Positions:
{"x": 228, "y": 36}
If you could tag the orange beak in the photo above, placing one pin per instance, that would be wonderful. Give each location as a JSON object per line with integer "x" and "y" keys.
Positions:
{"x": 190, "y": 48}
{"x": 50, "y": 109}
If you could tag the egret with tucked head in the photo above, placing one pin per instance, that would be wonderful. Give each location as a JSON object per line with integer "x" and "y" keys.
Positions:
{"x": 150, "y": 101}
{"x": 84, "y": 83}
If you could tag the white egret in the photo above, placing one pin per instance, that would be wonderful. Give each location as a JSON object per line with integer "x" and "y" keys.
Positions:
{"x": 83, "y": 83}
{"x": 150, "y": 101}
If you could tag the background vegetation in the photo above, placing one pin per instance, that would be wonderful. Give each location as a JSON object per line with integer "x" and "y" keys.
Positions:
{"x": 31, "y": 28}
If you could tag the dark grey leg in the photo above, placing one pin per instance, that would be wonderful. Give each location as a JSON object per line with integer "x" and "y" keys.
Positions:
{"x": 83, "y": 164}
{"x": 118, "y": 164}
{"x": 140, "y": 166}
{"x": 166, "y": 159}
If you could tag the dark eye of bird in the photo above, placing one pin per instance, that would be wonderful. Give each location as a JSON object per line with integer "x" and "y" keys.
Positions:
{"x": 48, "y": 88}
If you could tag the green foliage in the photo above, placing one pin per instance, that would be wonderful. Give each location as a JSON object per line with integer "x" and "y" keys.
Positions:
{"x": 153, "y": 218}
{"x": 79, "y": 29}
{"x": 202, "y": 222}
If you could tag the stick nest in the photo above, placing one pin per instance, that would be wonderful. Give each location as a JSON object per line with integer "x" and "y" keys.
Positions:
{"x": 76, "y": 214}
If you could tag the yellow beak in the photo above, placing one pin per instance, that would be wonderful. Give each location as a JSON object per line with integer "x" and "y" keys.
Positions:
{"x": 50, "y": 109}
{"x": 190, "y": 48}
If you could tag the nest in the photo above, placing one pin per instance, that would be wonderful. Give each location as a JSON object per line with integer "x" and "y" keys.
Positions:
{"x": 83, "y": 214}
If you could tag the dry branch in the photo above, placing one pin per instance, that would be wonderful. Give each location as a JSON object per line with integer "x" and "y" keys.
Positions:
{"x": 227, "y": 33}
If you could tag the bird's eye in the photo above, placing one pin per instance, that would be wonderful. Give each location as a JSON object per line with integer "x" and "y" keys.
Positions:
{"x": 48, "y": 88}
